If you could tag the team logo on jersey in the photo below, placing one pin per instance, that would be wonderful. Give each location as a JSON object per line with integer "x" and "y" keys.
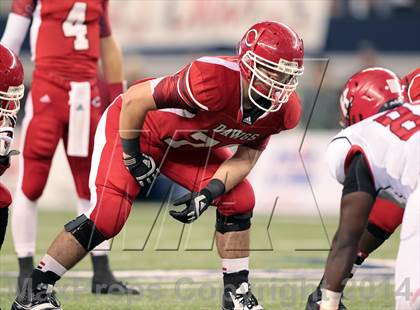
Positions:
{"x": 45, "y": 99}
{"x": 235, "y": 133}
{"x": 96, "y": 102}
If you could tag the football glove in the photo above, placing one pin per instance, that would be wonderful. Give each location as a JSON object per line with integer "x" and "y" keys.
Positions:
{"x": 196, "y": 203}
{"x": 142, "y": 167}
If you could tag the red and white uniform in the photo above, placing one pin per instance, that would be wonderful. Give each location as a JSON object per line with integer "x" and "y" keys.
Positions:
{"x": 65, "y": 45}
{"x": 200, "y": 114}
{"x": 390, "y": 143}
{"x": 63, "y": 103}
{"x": 411, "y": 84}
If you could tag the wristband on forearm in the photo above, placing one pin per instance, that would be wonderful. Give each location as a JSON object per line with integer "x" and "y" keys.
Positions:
{"x": 131, "y": 146}
{"x": 214, "y": 189}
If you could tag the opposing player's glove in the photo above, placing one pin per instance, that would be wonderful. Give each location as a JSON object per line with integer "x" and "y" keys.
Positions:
{"x": 142, "y": 167}
{"x": 197, "y": 202}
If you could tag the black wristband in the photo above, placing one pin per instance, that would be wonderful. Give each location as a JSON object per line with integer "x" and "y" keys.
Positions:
{"x": 131, "y": 146}
{"x": 214, "y": 189}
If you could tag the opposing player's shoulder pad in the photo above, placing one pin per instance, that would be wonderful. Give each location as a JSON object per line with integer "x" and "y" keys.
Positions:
{"x": 337, "y": 152}
{"x": 208, "y": 81}
{"x": 292, "y": 112}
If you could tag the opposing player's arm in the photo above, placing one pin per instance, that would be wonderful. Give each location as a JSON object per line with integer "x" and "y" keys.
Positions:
{"x": 236, "y": 168}
{"x": 18, "y": 23}
{"x": 357, "y": 200}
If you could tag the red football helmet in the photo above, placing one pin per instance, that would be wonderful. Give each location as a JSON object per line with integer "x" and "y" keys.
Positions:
{"x": 271, "y": 59}
{"x": 11, "y": 91}
{"x": 367, "y": 92}
{"x": 11, "y": 81}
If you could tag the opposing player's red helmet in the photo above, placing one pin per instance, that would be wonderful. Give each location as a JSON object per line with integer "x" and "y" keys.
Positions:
{"x": 367, "y": 93}
{"x": 11, "y": 81}
{"x": 271, "y": 59}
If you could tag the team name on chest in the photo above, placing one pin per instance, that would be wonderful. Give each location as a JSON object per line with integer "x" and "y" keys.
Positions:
{"x": 233, "y": 133}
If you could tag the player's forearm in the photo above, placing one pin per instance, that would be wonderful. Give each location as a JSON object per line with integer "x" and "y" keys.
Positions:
{"x": 235, "y": 169}
{"x": 137, "y": 101}
{"x": 111, "y": 60}
{"x": 339, "y": 265}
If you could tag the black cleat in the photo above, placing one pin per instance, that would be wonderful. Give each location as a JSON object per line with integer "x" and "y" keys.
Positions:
{"x": 241, "y": 299}
{"x": 314, "y": 301}
{"x": 43, "y": 298}
{"x": 112, "y": 286}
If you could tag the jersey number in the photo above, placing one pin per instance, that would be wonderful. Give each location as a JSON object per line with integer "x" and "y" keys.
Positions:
{"x": 74, "y": 26}
{"x": 401, "y": 121}
{"x": 202, "y": 141}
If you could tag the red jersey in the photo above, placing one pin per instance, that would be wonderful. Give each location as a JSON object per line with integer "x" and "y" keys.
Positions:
{"x": 202, "y": 106}
{"x": 65, "y": 35}
{"x": 411, "y": 84}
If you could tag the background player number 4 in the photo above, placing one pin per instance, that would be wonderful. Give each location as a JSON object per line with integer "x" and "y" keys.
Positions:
{"x": 74, "y": 26}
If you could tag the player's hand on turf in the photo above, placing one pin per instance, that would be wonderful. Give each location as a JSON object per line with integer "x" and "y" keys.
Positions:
{"x": 142, "y": 167}
{"x": 196, "y": 204}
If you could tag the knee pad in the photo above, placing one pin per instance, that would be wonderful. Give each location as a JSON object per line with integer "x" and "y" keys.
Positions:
{"x": 386, "y": 216}
{"x": 236, "y": 222}
{"x": 378, "y": 232}
{"x": 85, "y": 232}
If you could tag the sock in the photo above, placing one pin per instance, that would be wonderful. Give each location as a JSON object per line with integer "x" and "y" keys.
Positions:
{"x": 26, "y": 265}
{"x": 48, "y": 271}
{"x": 4, "y": 215}
{"x": 101, "y": 269}
{"x": 24, "y": 224}
{"x": 235, "y": 272}
{"x": 360, "y": 258}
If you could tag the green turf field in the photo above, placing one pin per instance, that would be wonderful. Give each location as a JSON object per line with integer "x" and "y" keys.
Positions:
{"x": 153, "y": 241}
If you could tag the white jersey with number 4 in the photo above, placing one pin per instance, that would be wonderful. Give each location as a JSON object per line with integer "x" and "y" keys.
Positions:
{"x": 390, "y": 143}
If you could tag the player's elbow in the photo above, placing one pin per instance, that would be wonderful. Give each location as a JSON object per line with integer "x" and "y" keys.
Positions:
{"x": 138, "y": 98}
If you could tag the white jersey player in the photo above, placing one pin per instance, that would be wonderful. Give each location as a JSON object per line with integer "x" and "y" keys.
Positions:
{"x": 378, "y": 151}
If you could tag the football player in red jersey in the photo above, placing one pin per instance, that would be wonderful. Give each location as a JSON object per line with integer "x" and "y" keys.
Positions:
{"x": 67, "y": 39}
{"x": 366, "y": 168}
{"x": 181, "y": 124}
{"x": 11, "y": 91}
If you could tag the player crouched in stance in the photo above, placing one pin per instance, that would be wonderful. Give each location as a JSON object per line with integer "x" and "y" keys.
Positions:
{"x": 377, "y": 151}
{"x": 11, "y": 91}
{"x": 183, "y": 124}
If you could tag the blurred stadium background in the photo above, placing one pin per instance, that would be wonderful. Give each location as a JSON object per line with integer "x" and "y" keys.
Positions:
{"x": 341, "y": 37}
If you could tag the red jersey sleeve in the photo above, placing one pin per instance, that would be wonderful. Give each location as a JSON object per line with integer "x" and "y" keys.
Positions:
{"x": 258, "y": 144}
{"x": 23, "y": 7}
{"x": 166, "y": 95}
{"x": 104, "y": 24}
{"x": 292, "y": 112}
{"x": 196, "y": 87}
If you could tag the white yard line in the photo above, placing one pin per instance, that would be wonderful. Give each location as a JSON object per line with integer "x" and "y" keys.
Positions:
{"x": 213, "y": 275}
